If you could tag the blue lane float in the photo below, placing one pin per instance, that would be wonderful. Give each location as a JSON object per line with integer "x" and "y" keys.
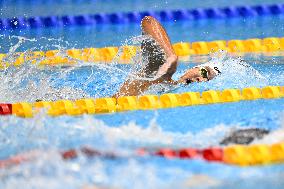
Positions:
{"x": 135, "y": 17}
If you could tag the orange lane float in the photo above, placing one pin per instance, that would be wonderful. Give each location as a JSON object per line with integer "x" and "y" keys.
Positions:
{"x": 241, "y": 155}
{"x": 146, "y": 102}
{"x": 126, "y": 53}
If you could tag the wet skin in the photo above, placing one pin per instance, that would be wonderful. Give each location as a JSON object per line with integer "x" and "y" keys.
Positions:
{"x": 164, "y": 66}
{"x": 194, "y": 75}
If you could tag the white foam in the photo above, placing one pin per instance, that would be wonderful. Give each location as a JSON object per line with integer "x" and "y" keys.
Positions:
{"x": 43, "y": 132}
{"x": 46, "y": 136}
{"x": 274, "y": 136}
{"x": 27, "y": 82}
{"x": 236, "y": 73}
{"x": 50, "y": 171}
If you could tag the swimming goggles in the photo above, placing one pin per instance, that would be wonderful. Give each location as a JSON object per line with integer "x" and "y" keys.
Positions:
{"x": 204, "y": 72}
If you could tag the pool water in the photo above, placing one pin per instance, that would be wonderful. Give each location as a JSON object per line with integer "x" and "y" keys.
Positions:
{"x": 122, "y": 133}
{"x": 64, "y": 7}
{"x": 186, "y": 31}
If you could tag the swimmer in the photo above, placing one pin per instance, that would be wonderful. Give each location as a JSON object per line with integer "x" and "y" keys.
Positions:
{"x": 244, "y": 136}
{"x": 161, "y": 63}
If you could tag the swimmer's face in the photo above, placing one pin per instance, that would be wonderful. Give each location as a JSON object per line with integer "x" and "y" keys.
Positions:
{"x": 197, "y": 74}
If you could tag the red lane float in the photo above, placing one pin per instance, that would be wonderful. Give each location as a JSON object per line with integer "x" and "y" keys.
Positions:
{"x": 88, "y": 152}
{"x": 208, "y": 154}
{"x": 184, "y": 153}
{"x": 19, "y": 159}
{"x": 5, "y": 109}
{"x": 241, "y": 155}
{"x": 213, "y": 154}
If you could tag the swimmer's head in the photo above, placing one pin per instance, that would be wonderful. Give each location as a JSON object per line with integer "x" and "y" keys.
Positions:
{"x": 199, "y": 74}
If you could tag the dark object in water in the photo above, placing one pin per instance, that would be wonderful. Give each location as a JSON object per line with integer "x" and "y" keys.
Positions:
{"x": 244, "y": 136}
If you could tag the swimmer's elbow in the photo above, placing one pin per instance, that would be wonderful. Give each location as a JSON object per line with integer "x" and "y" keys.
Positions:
{"x": 147, "y": 20}
{"x": 116, "y": 95}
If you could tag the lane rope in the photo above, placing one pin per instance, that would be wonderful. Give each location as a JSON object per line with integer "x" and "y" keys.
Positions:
{"x": 146, "y": 102}
{"x": 135, "y": 17}
{"x": 269, "y": 45}
{"x": 240, "y": 155}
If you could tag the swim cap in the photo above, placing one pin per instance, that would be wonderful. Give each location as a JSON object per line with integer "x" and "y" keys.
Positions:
{"x": 216, "y": 68}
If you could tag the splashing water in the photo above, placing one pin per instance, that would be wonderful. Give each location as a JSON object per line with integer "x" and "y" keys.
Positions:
{"x": 47, "y": 137}
{"x": 29, "y": 83}
{"x": 42, "y": 132}
{"x": 275, "y": 136}
{"x": 235, "y": 73}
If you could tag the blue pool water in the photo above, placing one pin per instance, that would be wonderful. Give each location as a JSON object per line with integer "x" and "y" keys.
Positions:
{"x": 122, "y": 133}
{"x": 62, "y": 7}
{"x": 187, "y": 31}
{"x": 125, "y": 131}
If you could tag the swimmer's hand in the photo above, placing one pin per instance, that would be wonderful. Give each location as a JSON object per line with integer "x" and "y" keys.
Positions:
{"x": 167, "y": 70}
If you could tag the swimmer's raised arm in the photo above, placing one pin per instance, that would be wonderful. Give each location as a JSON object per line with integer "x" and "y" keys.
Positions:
{"x": 161, "y": 63}
{"x": 162, "y": 60}
{"x": 153, "y": 28}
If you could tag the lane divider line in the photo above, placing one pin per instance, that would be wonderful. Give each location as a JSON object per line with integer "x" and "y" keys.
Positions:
{"x": 239, "y": 155}
{"x": 270, "y": 45}
{"x": 135, "y": 17}
{"x": 146, "y": 102}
